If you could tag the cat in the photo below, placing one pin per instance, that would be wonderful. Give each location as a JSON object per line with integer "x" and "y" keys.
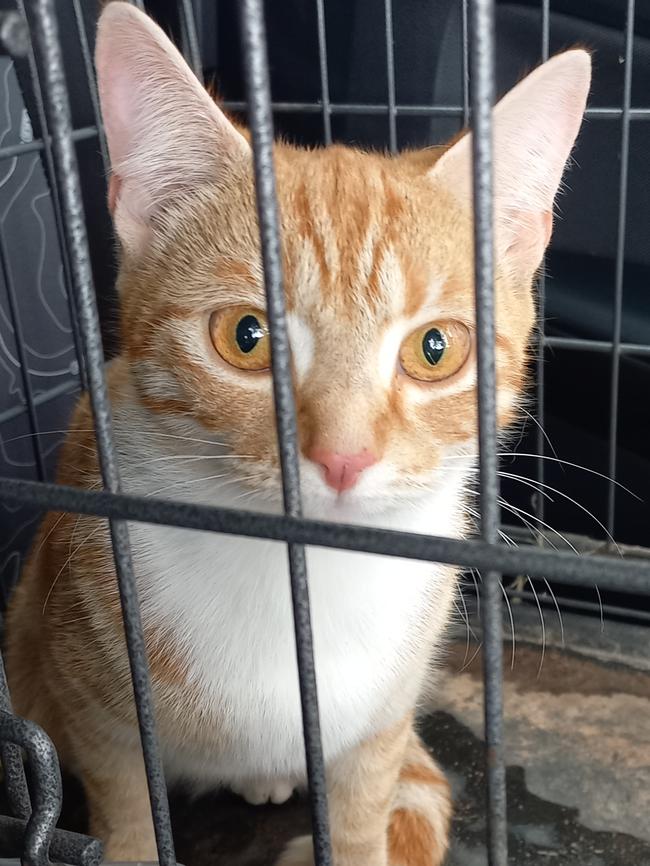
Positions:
{"x": 378, "y": 259}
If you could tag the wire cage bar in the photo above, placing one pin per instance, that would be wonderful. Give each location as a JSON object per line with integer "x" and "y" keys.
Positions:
{"x": 60, "y": 125}
{"x": 620, "y": 262}
{"x": 482, "y": 96}
{"x": 36, "y": 807}
{"x": 541, "y": 306}
{"x": 261, "y": 124}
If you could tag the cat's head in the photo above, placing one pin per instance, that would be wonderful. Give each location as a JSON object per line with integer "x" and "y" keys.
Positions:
{"x": 378, "y": 262}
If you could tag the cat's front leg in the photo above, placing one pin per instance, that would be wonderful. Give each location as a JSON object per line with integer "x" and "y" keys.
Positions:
{"x": 360, "y": 786}
{"x": 389, "y": 806}
{"x": 115, "y": 783}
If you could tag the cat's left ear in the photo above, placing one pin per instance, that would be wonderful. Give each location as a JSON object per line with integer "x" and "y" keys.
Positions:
{"x": 535, "y": 127}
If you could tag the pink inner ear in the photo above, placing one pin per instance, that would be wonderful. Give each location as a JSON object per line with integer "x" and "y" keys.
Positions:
{"x": 114, "y": 184}
{"x": 547, "y": 225}
{"x": 165, "y": 134}
{"x": 528, "y": 236}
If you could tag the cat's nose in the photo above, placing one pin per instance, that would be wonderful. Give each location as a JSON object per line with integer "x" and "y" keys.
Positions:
{"x": 342, "y": 471}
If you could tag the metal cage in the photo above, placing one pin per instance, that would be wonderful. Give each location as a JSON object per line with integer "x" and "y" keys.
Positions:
{"x": 31, "y": 32}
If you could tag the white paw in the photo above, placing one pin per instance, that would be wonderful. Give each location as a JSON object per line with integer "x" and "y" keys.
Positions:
{"x": 259, "y": 791}
{"x": 299, "y": 852}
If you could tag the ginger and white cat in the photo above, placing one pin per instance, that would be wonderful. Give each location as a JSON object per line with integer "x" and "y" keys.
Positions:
{"x": 378, "y": 258}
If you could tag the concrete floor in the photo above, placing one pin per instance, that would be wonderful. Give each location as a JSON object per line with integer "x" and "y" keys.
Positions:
{"x": 578, "y": 766}
{"x": 577, "y": 726}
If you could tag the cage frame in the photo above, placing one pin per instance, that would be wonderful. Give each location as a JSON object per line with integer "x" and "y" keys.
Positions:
{"x": 36, "y": 808}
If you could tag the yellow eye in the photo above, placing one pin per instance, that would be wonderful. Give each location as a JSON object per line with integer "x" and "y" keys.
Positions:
{"x": 436, "y": 351}
{"x": 241, "y": 336}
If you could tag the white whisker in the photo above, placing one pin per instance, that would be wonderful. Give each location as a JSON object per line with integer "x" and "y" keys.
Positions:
{"x": 600, "y": 606}
{"x": 542, "y": 624}
{"x": 512, "y": 626}
{"x": 468, "y": 629}
{"x": 536, "y": 484}
{"x": 534, "y": 530}
{"x": 190, "y": 457}
{"x": 543, "y": 432}
{"x": 145, "y": 432}
{"x": 523, "y": 514}
{"x": 557, "y": 608}
{"x": 553, "y": 460}
{"x": 473, "y": 573}
{"x": 187, "y": 482}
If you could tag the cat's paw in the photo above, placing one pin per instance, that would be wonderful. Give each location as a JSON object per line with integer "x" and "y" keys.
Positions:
{"x": 259, "y": 791}
{"x": 299, "y": 852}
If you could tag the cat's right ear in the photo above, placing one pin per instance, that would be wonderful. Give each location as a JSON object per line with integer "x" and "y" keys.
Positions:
{"x": 166, "y": 136}
{"x": 535, "y": 128}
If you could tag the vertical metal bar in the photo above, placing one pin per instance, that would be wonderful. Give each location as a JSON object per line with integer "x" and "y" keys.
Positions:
{"x": 546, "y": 28}
{"x": 56, "y": 198}
{"x": 482, "y": 66}
{"x": 620, "y": 265}
{"x": 465, "y": 37}
{"x": 390, "y": 76}
{"x": 483, "y": 90}
{"x": 46, "y": 786}
{"x": 58, "y": 109}
{"x": 193, "y": 47}
{"x": 21, "y": 355}
{"x": 12, "y": 761}
{"x": 261, "y": 124}
{"x": 92, "y": 83}
{"x": 324, "y": 76}
{"x": 540, "y": 500}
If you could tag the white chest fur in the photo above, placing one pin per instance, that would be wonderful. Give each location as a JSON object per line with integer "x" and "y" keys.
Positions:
{"x": 227, "y": 601}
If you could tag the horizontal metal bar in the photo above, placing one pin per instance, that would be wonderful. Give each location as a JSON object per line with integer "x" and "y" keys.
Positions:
{"x": 411, "y": 110}
{"x": 66, "y": 847}
{"x": 624, "y": 575}
{"x": 578, "y": 605}
{"x": 350, "y": 108}
{"x": 356, "y": 108}
{"x": 37, "y": 144}
{"x": 603, "y": 346}
{"x": 39, "y": 399}
{"x": 361, "y": 108}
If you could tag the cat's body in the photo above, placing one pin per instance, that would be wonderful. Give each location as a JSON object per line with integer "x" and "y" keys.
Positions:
{"x": 378, "y": 263}
{"x": 217, "y": 615}
{"x": 224, "y": 604}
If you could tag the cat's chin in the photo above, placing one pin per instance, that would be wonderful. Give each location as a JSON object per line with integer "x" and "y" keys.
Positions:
{"x": 353, "y": 507}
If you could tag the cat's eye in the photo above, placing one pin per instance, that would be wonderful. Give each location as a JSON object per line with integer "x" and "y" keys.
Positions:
{"x": 435, "y": 351}
{"x": 241, "y": 336}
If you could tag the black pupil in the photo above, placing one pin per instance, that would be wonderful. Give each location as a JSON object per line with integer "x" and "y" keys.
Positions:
{"x": 249, "y": 333}
{"x": 433, "y": 346}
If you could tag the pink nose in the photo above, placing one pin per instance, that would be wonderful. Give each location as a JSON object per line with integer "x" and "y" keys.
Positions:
{"x": 342, "y": 470}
